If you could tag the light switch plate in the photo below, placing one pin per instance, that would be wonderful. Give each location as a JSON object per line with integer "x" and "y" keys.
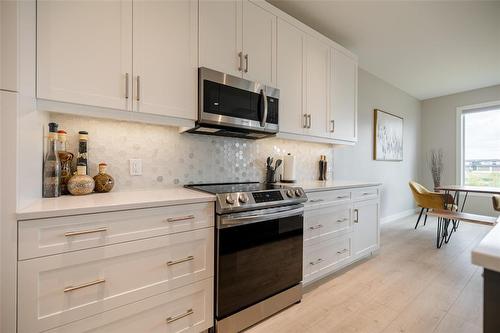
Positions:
{"x": 135, "y": 167}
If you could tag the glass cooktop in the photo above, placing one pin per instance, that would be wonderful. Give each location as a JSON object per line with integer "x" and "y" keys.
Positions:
{"x": 234, "y": 187}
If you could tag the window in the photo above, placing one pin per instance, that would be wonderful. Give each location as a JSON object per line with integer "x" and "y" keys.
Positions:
{"x": 481, "y": 147}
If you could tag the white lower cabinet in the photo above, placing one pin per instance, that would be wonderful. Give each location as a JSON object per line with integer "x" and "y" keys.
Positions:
{"x": 188, "y": 309}
{"x": 340, "y": 227}
{"x": 114, "y": 281}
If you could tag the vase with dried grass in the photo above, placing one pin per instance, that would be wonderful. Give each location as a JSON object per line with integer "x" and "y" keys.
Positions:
{"x": 436, "y": 165}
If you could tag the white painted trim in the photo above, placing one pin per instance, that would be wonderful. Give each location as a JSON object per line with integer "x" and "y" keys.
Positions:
{"x": 460, "y": 136}
{"x": 398, "y": 216}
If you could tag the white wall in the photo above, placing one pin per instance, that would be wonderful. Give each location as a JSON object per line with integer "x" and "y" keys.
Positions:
{"x": 439, "y": 130}
{"x": 357, "y": 162}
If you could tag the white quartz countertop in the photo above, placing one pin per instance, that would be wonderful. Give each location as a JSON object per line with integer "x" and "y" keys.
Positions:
{"x": 487, "y": 253}
{"x": 113, "y": 201}
{"x": 318, "y": 185}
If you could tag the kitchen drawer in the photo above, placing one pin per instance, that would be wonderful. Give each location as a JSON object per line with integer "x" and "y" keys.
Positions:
{"x": 323, "y": 258}
{"x": 186, "y": 309}
{"x": 365, "y": 193}
{"x": 324, "y": 222}
{"x": 59, "y": 289}
{"x": 328, "y": 197}
{"x": 63, "y": 234}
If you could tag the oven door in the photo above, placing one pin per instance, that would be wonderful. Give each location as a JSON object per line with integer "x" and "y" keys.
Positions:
{"x": 232, "y": 102}
{"x": 259, "y": 254}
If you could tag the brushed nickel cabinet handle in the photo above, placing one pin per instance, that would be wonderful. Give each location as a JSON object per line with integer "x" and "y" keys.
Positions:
{"x": 366, "y": 193}
{"x": 312, "y": 263}
{"x": 342, "y": 220}
{"x": 84, "y": 232}
{"x": 126, "y": 85}
{"x": 84, "y": 285}
{"x": 342, "y": 197}
{"x": 240, "y": 67}
{"x": 305, "y": 121}
{"x": 316, "y": 227}
{"x": 138, "y": 97}
{"x": 317, "y": 200}
{"x": 356, "y": 213}
{"x": 246, "y": 63}
{"x": 182, "y": 315}
{"x": 342, "y": 251}
{"x": 175, "y": 262}
{"x": 333, "y": 126}
{"x": 180, "y": 218}
{"x": 310, "y": 120}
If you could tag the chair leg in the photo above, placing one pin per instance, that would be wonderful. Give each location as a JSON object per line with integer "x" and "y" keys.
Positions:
{"x": 438, "y": 236}
{"x": 419, "y": 216}
{"x": 425, "y": 219}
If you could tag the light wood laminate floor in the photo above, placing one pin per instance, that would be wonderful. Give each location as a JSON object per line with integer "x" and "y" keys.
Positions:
{"x": 410, "y": 286}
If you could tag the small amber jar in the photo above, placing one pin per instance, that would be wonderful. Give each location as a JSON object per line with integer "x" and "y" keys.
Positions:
{"x": 103, "y": 182}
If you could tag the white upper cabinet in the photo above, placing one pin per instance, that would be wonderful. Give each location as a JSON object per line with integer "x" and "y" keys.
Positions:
{"x": 290, "y": 77}
{"x": 84, "y": 51}
{"x": 238, "y": 38}
{"x": 8, "y": 45}
{"x": 259, "y": 44}
{"x": 220, "y": 36}
{"x": 344, "y": 86}
{"x": 165, "y": 57}
{"x": 317, "y": 86}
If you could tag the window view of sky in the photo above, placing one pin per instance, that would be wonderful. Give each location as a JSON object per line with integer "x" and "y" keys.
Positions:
{"x": 482, "y": 135}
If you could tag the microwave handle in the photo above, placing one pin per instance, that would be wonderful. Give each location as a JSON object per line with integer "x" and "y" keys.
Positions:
{"x": 264, "y": 116}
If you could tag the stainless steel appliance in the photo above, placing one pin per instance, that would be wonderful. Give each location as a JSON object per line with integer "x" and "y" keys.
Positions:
{"x": 258, "y": 263}
{"x": 231, "y": 106}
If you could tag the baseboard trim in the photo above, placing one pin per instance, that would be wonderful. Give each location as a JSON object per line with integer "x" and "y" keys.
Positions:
{"x": 397, "y": 216}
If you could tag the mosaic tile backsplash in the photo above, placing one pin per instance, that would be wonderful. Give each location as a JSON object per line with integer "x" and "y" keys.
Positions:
{"x": 170, "y": 158}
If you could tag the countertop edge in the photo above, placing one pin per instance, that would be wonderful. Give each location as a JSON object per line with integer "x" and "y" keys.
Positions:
{"x": 487, "y": 253}
{"x": 341, "y": 187}
{"x": 26, "y": 216}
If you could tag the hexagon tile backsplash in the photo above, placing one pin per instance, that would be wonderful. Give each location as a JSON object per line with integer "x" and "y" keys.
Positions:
{"x": 170, "y": 158}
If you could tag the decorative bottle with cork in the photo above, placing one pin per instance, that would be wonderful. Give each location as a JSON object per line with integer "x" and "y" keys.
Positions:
{"x": 81, "y": 184}
{"x": 82, "y": 158}
{"x": 323, "y": 167}
{"x": 66, "y": 158}
{"x": 103, "y": 182}
{"x": 51, "y": 166}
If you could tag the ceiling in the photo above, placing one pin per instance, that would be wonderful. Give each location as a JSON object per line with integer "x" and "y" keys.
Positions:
{"x": 426, "y": 48}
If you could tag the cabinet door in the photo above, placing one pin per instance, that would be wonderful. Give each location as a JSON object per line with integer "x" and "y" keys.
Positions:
{"x": 366, "y": 227}
{"x": 317, "y": 86}
{"x": 343, "y": 111}
{"x": 259, "y": 44}
{"x": 290, "y": 56}
{"x": 8, "y": 45}
{"x": 220, "y": 35}
{"x": 84, "y": 52}
{"x": 165, "y": 57}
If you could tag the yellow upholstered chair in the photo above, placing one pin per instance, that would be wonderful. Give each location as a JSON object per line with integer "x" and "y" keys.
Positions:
{"x": 496, "y": 202}
{"x": 426, "y": 200}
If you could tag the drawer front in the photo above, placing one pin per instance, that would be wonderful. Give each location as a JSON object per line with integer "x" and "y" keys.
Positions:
{"x": 187, "y": 309}
{"x": 365, "y": 193}
{"x": 58, "y": 289}
{"x": 326, "y": 222}
{"x": 323, "y": 258}
{"x": 59, "y": 235}
{"x": 328, "y": 197}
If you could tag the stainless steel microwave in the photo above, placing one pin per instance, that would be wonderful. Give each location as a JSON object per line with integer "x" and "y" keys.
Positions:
{"x": 232, "y": 106}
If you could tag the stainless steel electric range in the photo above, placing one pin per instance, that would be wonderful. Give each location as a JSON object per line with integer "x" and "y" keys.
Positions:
{"x": 258, "y": 262}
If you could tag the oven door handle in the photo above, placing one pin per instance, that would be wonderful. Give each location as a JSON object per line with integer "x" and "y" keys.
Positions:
{"x": 233, "y": 221}
{"x": 265, "y": 108}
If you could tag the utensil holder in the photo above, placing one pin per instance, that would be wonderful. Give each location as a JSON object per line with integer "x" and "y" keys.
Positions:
{"x": 270, "y": 175}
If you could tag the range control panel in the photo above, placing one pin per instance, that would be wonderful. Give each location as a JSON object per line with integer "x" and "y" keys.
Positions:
{"x": 267, "y": 196}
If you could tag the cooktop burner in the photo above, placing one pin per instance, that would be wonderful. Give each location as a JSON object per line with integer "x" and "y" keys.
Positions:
{"x": 232, "y": 197}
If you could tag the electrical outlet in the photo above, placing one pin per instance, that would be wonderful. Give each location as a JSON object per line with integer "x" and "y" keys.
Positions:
{"x": 135, "y": 167}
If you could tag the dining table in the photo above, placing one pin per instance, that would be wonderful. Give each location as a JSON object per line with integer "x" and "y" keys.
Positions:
{"x": 457, "y": 189}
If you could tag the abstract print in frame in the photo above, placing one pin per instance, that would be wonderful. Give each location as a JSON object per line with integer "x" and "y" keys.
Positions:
{"x": 388, "y": 136}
